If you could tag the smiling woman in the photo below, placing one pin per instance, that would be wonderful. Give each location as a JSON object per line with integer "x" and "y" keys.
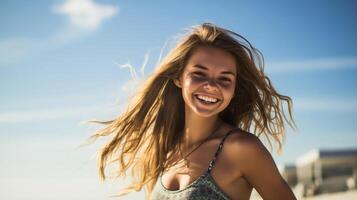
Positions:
{"x": 187, "y": 135}
{"x": 207, "y": 81}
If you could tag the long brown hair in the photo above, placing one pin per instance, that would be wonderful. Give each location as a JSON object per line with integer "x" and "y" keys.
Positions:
{"x": 145, "y": 134}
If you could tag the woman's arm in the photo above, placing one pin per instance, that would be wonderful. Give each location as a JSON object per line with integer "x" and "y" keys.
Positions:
{"x": 258, "y": 167}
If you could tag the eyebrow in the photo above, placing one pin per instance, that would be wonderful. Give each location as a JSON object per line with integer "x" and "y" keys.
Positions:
{"x": 205, "y": 68}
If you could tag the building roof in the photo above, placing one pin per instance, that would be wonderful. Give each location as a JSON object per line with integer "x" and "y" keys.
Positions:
{"x": 315, "y": 154}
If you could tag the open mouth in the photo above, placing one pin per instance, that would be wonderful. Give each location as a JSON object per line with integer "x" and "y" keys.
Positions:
{"x": 207, "y": 100}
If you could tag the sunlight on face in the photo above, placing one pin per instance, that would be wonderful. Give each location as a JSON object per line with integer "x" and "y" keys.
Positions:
{"x": 208, "y": 81}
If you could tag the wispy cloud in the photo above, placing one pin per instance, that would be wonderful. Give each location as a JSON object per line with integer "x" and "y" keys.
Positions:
{"x": 75, "y": 168}
{"x": 311, "y": 65}
{"x": 57, "y": 113}
{"x": 13, "y": 49}
{"x": 300, "y": 104}
{"x": 83, "y": 17}
{"x": 325, "y": 104}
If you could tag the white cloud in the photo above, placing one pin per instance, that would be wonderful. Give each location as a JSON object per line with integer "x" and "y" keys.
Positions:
{"x": 310, "y": 65}
{"x": 86, "y": 14}
{"x": 85, "y": 17}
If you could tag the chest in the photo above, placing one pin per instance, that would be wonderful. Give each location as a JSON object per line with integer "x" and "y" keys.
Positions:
{"x": 223, "y": 174}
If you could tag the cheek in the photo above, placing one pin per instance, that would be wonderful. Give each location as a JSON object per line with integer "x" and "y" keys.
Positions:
{"x": 196, "y": 80}
{"x": 228, "y": 87}
{"x": 192, "y": 83}
{"x": 228, "y": 91}
{"x": 188, "y": 86}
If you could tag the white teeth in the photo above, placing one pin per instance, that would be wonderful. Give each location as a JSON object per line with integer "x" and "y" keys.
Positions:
{"x": 209, "y": 99}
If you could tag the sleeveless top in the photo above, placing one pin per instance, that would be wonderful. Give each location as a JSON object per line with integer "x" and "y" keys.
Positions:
{"x": 203, "y": 188}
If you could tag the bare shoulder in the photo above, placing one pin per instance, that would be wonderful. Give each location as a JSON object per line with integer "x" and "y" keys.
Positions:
{"x": 254, "y": 162}
{"x": 245, "y": 148}
{"x": 240, "y": 140}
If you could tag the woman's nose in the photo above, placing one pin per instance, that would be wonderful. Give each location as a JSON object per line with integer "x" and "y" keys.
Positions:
{"x": 210, "y": 85}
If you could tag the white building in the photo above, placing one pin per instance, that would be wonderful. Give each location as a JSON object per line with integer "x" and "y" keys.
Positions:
{"x": 326, "y": 171}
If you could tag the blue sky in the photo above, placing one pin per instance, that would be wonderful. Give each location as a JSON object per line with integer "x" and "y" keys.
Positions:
{"x": 63, "y": 62}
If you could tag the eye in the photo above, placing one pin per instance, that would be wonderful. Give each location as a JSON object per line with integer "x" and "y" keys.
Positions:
{"x": 225, "y": 79}
{"x": 200, "y": 74}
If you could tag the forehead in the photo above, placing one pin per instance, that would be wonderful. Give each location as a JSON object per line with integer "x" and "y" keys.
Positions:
{"x": 213, "y": 58}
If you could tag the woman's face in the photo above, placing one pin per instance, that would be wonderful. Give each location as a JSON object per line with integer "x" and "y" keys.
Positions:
{"x": 208, "y": 81}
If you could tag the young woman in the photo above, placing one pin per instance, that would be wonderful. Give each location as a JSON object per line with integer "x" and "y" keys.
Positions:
{"x": 187, "y": 135}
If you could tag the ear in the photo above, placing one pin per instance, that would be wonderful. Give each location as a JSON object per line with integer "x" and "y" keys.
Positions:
{"x": 178, "y": 83}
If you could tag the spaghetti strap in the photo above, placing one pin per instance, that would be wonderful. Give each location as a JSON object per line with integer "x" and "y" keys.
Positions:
{"x": 213, "y": 161}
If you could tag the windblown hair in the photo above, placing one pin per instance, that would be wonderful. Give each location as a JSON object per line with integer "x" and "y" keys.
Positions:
{"x": 145, "y": 134}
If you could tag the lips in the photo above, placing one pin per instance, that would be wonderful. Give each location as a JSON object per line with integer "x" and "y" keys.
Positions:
{"x": 208, "y": 95}
{"x": 206, "y": 102}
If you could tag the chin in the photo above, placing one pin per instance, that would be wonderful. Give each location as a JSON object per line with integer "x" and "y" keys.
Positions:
{"x": 205, "y": 113}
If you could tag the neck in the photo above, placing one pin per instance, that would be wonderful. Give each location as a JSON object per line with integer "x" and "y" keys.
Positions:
{"x": 198, "y": 129}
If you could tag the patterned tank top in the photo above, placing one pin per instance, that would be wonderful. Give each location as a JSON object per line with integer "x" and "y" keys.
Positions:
{"x": 203, "y": 188}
